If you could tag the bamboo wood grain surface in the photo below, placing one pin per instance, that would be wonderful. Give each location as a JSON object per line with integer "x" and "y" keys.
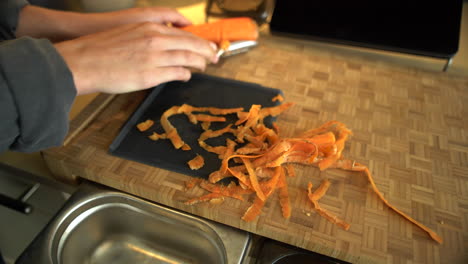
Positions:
{"x": 410, "y": 128}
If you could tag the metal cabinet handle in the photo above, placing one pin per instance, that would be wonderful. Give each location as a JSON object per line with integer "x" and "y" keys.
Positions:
{"x": 20, "y": 204}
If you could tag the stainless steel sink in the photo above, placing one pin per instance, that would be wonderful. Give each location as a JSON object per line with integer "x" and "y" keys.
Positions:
{"x": 98, "y": 225}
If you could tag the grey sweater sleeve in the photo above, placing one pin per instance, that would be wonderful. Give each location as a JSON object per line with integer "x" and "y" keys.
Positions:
{"x": 9, "y": 11}
{"x": 36, "y": 92}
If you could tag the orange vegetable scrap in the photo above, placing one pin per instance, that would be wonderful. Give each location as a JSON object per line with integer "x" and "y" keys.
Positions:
{"x": 143, "y": 126}
{"x": 192, "y": 183}
{"x": 321, "y": 147}
{"x": 186, "y": 147}
{"x": 196, "y": 163}
{"x": 155, "y": 136}
{"x": 265, "y": 157}
{"x": 291, "y": 171}
{"x": 206, "y": 125}
{"x": 284, "y": 195}
{"x": 315, "y": 196}
{"x": 228, "y": 29}
{"x": 224, "y": 45}
{"x": 278, "y": 98}
{"x": 204, "y": 198}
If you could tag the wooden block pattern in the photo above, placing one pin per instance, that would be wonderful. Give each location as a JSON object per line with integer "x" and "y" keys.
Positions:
{"x": 410, "y": 128}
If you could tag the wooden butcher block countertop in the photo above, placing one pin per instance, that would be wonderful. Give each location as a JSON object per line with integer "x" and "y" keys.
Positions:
{"x": 410, "y": 127}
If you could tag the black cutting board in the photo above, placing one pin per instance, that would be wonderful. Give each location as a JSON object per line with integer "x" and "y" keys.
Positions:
{"x": 201, "y": 91}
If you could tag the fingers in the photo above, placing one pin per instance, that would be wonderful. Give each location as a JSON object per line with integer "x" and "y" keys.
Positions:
{"x": 165, "y": 74}
{"x": 180, "y": 58}
{"x": 191, "y": 43}
{"x": 170, "y": 16}
{"x": 163, "y": 29}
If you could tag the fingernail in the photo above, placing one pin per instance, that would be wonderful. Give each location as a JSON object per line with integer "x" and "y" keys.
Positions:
{"x": 213, "y": 45}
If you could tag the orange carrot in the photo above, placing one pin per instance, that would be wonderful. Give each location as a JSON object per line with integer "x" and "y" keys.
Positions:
{"x": 204, "y": 198}
{"x": 196, "y": 163}
{"x": 206, "y": 125}
{"x": 278, "y": 98}
{"x": 320, "y": 191}
{"x": 230, "y": 145}
{"x": 275, "y": 110}
{"x": 431, "y": 233}
{"x": 330, "y": 217}
{"x": 254, "y": 210}
{"x": 209, "y": 118}
{"x": 284, "y": 196}
{"x": 291, "y": 171}
{"x": 155, "y": 136}
{"x": 216, "y": 133}
{"x": 315, "y": 196}
{"x": 225, "y": 162}
{"x": 186, "y": 147}
{"x": 171, "y": 131}
{"x": 143, "y": 126}
{"x": 231, "y": 29}
{"x": 231, "y": 190}
{"x": 253, "y": 179}
{"x": 190, "y": 184}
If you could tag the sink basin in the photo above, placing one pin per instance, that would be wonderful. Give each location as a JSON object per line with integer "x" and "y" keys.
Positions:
{"x": 99, "y": 225}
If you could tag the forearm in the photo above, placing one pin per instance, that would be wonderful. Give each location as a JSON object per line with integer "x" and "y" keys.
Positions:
{"x": 64, "y": 25}
{"x": 55, "y": 25}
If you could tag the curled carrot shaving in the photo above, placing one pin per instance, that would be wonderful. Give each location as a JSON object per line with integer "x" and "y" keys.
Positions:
{"x": 278, "y": 98}
{"x": 269, "y": 186}
{"x": 209, "y": 118}
{"x": 218, "y": 149}
{"x": 254, "y": 210}
{"x": 315, "y": 196}
{"x": 196, "y": 163}
{"x": 219, "y": 111}
{"x": 330, "y": 217}
{"x": 185, "y": 147}
{"x": 192, "y": 183}
{"x": 275, "y": 110}
{"x": 230, "y": 145}
{"x": 204, "y": 198}
{"x": 250, "y": 120}
{"x": 321, "y": 190}
{"x": 291, "y": 171}
{"x": 248, "y": 150}
{"x": 365, "y": 170}
{"x": 143, "y": 126}
{"x": 171, "y": 131}
{"x": 276, "y": 128}
{"x": 253, "y": 179}
{"x": 212, "y": 134}
{"x": 284, "y": 196}
{"x": 231, "y": 190}
{"x": 225, "y": 162}
{"x": 155, "y": 136}
{"x": 265, "y": 156}
{"x": 206, "y": 125}
{"x": 243, "y": 179}
{"x": 253, "y": 112}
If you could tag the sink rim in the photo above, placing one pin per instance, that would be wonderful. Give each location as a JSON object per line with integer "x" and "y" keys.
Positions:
{"x": 88, "y": 206}
{"x": 233, "y": 242}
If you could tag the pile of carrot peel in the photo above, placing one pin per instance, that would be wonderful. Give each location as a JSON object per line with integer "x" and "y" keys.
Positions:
{"x": 261, "y": 160}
